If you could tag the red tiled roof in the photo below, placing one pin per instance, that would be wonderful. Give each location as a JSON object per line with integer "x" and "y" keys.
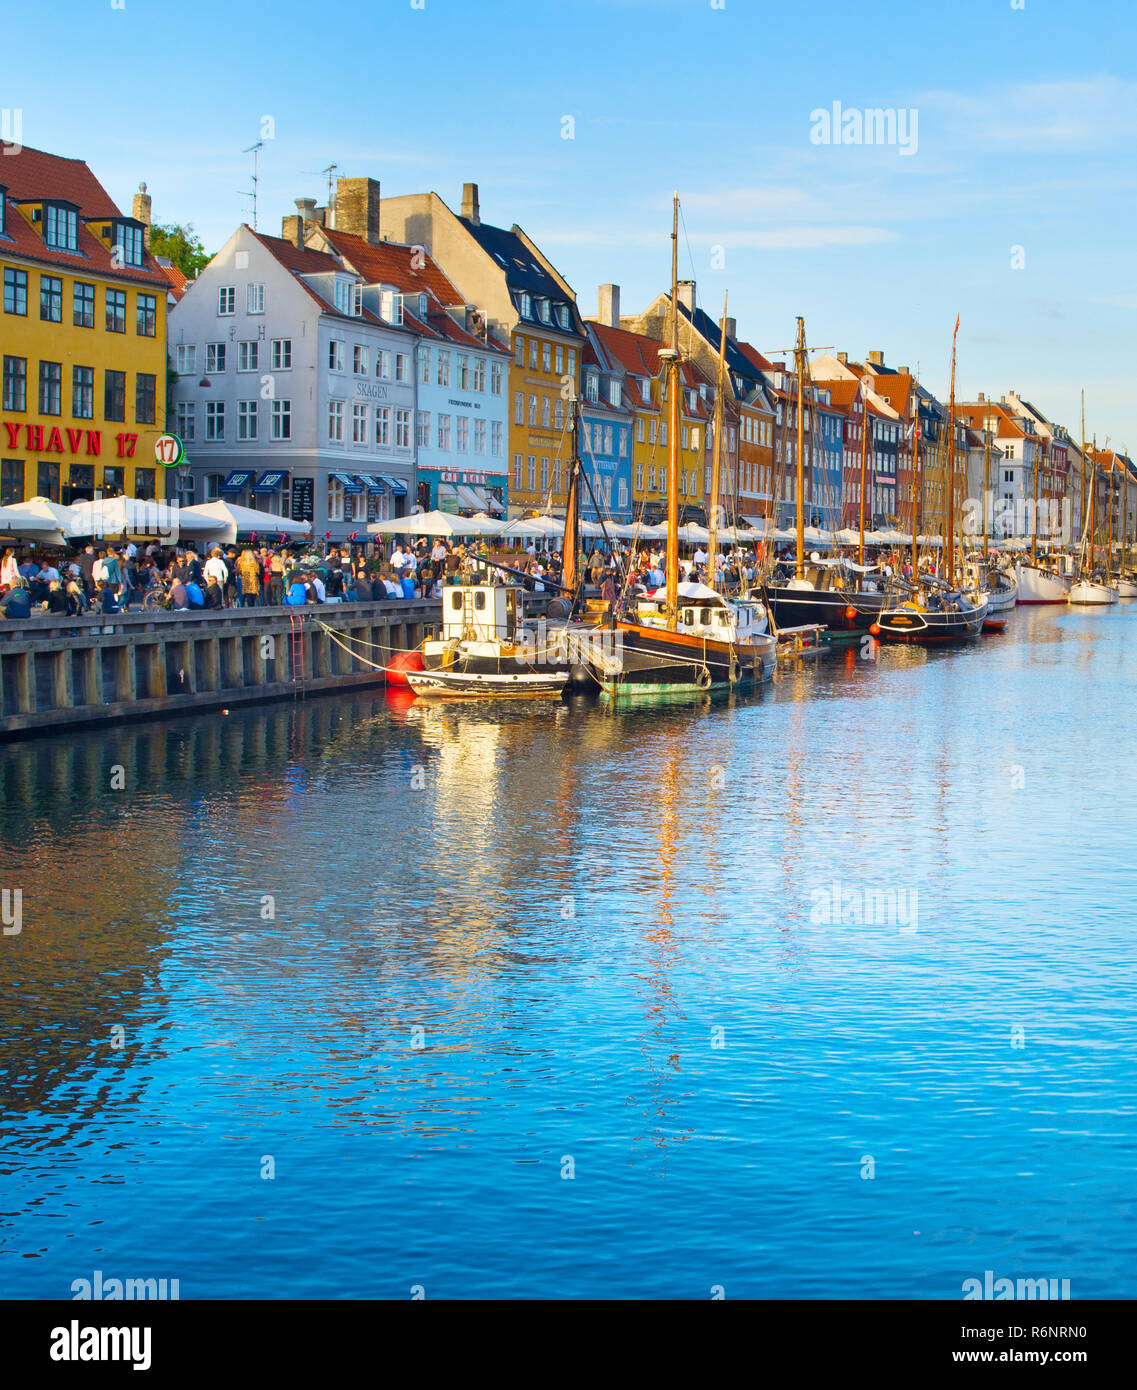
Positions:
{"x": 753, "y": 356}
{"x": 178, "y": 282}
{"x": 391, "y": 263}
{"x": 33, "y": 174}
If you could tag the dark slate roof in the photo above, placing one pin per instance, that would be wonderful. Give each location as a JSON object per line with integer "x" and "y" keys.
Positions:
{"x": 523, "y": 271}
{"x": 737, "y": 362}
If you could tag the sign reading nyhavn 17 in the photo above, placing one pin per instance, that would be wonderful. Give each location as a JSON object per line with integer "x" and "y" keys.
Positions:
{"x": 38, "y": 440}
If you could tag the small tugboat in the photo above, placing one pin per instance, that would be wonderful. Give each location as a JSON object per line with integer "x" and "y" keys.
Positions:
{"x": 485, "y": 650}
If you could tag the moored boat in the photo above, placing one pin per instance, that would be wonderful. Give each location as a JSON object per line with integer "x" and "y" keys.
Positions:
{"x": 934, "y": 613}
{"x": 1040, "y": 584}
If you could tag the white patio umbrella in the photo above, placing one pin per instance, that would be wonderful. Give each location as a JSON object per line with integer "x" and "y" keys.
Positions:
{"x": 435, "y": 524}
{"x": 814, "y": 535}
{"x": 847, "y": 536}
{"x": 534, "y": 526}
{"x": 694, "y": 534}
{"x": 112, "y": 516}
{"x": 936, "y": 541}
{"x": 38, "y": 519}
{"x": 229, "y": 521}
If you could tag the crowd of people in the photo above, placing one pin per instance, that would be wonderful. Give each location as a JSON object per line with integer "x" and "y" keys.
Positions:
{"x": 118, "y": 578}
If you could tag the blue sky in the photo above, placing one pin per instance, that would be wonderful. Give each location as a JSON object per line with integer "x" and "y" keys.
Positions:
{"x": 1026, "y": 126}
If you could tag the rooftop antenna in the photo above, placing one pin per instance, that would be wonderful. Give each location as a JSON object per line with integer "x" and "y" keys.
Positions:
{"x": 255, "y": 151}
{"x": 330, "y": 170}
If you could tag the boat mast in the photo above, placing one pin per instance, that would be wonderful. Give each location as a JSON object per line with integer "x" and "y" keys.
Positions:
{"x": 1109, "y": 535}
{"x": 569, "y": 576}
{"x": 949, "y": 538}
{"x": 1082, "y": 554}
{"x": 986, "y": 482}
{"x": 1093, "y": 501}
{"x": 799, "y": 364}
{"x": 915, "y": 494}
{"x": 1034, "y": 526}
{"x": 865, "y": 425}
{"x": 716, "y": 457}
{"x": 673, "y": 437}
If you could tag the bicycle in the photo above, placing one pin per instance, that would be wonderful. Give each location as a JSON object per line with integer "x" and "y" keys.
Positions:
{"x": 156, "y": 599}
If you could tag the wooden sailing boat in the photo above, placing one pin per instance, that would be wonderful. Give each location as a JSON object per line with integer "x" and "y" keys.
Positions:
{"x": 1126, "y": 584}
{"x": 832, "y": 593}
{"x": 1038, "y": 582}
{"x": 692, "y": 639}
{"x": 936, "y": 609}
{"x": 1086, "y": 591}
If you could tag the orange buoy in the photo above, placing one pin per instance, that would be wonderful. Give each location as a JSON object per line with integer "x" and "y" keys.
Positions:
{"x": 875, "y": 629}
{"x": 850, "y": 613}
{"x": 400, "y": 664}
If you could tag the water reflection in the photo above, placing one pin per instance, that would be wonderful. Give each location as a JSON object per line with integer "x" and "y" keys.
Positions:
{"x": 423, "y": 951}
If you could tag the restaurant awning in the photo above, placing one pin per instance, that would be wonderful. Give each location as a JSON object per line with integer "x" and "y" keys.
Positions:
{"x": 270, "y": 480}
{"x": 237, "y": 481}
{"x": 371, "y": 482}
{"x": 468, "y": 497}
{"x": 398, "y": 488}
{"x": 348, "y": 482}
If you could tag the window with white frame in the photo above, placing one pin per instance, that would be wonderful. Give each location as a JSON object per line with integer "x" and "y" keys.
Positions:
{"x": 282, "y": 418}
{"x": 519, "y": 356}
{"x": 532, "y": 354}
{"x": 546, "y": 411}
{"x": 559, "y": 413}
{"x": 255, "y": 299}
{"x": 495, "y": 378}
{"x": 358, "y": 422}
{"x": 462, "y": 434}
{"x": 462, "y": 371}
{"x": 544, "y": 475}
{"x": 246, "y": 420}
{"x": 518, "y": 407}
{"x": 517, "y": 470}
{"x": 443, "y": 367}
{"x": 531, "y": 473}
{"x": 402, "y": 429}
{"x": 226, "y": 300}
{"x": 444, "y": 432}
{"x": 497, "y": 439}
{"x": 215, "y": 420}
{"x": 383, "y": 426}
{"x": 383, "y": 364}
{"x": 560, "y": 360}
{"x": 335, "y": 499}
{"x": 335, "y": 422}
{"x": 422, "y": 430}
{"x": 533, "y": 410}
{"x": 402, "y": 366}
{"x": 479, "y": 378}
{"x": 639, "y": 477}
{"x": 359, "y": 363}
{"x": 336, "y": 348}
{"x": 248, "y": 356}
{"x": 391, "y": 306}
{"x": 281, "y": 354}
{"x": 214, "y": 358}
{"x": 424, "y": 365}
{"x": 546, "y": 357}
{"x": 572, "y": 362}
{"x": 187, "y": 421}
{"x": 185, "y": 358}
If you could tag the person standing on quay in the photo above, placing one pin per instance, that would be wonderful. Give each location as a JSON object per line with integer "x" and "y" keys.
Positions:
{"x": 250, "y": 571}
{"x": 9, "y": 569}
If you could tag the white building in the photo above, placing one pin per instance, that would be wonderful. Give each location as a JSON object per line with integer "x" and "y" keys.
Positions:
{"x": 295, "y": 389}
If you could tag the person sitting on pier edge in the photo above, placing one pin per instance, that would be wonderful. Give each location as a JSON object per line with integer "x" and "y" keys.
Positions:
{"x": 179, "y": 596}
{"x": 77, "y": 598}
{"x": 297, "y": 594}
{"x": 17, "y": 602}
{"x": 214, "y": 594}
{"x": 57, "y": 602}
{"x": 105, "y": 601}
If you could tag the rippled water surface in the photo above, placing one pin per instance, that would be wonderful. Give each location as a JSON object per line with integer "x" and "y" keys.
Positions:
{"x": 345, "y": 998}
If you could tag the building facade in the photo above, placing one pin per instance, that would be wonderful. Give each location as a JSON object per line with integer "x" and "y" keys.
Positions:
{"x": 82, "y": 338}
{"x": 295, "y": 391}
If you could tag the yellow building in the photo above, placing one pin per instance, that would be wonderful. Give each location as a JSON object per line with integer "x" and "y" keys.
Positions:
{"x": 82, "y": 337}
{"x": 644, "y": 394}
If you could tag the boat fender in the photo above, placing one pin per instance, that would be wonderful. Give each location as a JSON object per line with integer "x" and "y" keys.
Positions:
{"x": 703, "y": 678}
{"x": 735, "y": 671}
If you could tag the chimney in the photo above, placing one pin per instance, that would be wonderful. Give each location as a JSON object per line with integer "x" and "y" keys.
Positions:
{"x": 608, "y": 312}
{"x": 292, "y": 228}
{"x": 357, "y": 208}
{"x": 141, "y": 213}
{"x": 471, "y": 210}
{"x": 731, "y": 328}
{"x": 982, "y": 398}
{"x": 687, "y": 295}
{"x": 876, "y": 359}
{"x": 904, "y": 371}
{"x": 843, "y": 358}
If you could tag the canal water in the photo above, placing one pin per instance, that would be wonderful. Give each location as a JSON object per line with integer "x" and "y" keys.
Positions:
{"x": 824, "y": 992}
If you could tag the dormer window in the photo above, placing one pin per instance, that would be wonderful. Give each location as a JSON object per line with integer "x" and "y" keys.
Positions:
{"x": 128, "y": 247}
{"x": 543, "y": 310}
{"x": 3, "y": 210}
{"x": 592, "y": 386}
{"x": 526, "y": 306}
{"x": 60, "y": 227}
{"x": 422, "y": 306}
{"x": 565, "y": 315}
{"x": 391, "y": 306}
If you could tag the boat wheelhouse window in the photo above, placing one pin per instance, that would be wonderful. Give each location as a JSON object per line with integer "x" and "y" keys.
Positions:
{"x": 724, "y": 619}
{"x": 456, "y": 601}
{"x": 479, "y": 600}
{"x": 688, "y": 615}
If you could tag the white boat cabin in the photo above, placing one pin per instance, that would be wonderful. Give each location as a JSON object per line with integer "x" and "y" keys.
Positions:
{"x": 706, "y": 613}
{"x": 479, "y": 612}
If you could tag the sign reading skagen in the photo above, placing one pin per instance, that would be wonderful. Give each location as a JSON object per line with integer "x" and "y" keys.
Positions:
{"x": 371, "y": 390}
